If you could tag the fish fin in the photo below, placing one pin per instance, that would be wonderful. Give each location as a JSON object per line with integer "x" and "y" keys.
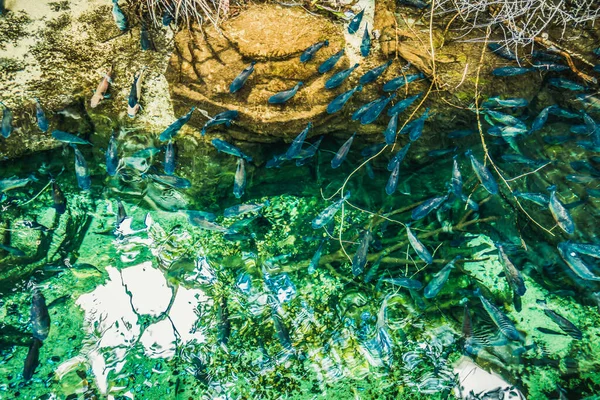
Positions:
{"x": 106, "y": 96}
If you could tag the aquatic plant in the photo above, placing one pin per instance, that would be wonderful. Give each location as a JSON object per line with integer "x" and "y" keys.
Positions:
{"x": 186, "y": 11}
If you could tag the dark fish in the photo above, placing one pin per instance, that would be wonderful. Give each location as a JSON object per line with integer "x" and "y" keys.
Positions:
{"x": 511, "y": 71}
{"x": 404, "y": 282}
{"x": 370, "y": 151}
{"x": 170, "y": 180}
{"x": 563, "y": 83}
{"x": 513, "y": 275}
{"x": 13, "y": 183}
{"x": 573, "y": 261}
{"x": 228, "y": 148}
{"x": 564, "y": 324}
{"x": 357, "y": 115}
{"x": 58, "y": 198}
{"x": 337, "y": 79}
{"x": 81, "y": 171}
{"x": 7, "y": 120}
{"x": 282, "y": 332}
{"x": 402, "y": 105}
{"x": 306, "y": 154}
{"x": 241, "y": 79}
{"x": 428, "y": 206}
{"x": 483, "y": 174}
{"x": 559, "y": 212}
{"x": 121, "y": 213}
{"x": 502, "y": 51}
{"x": 420, "y": 4}
{"x": 296, "y": 145}
{"x": 355, "y": 22}
{"x": 174, "y": 128}
{"x": 328, "y": 64}
{"x": 365, "y": 44}
{"x": 112, "y": 157}
{"x": 276, "y": 161}
{"x": 224, "y": 324}
{"x": 537, "y": 198}
{"x": 42, "y": 121}
{"x": 505, "y": 325}
{"x": 336, "y": 104}
{"x": 554, "y": 140}
{"x": 460, "y": 133}
{"x": 13, "y": 251}
{"x": 392, "y": 182}
{"x": 417, "y": 128}
{"x": 282, "y": 97}
{"x": 438, "y": 281}
{"x": 398, "y": 157}
{"x": 390, "y": 131}
{"x": 146, "y": 42}
{"x": 497, "y": 102}
{"x": 519, "y": 159}
{"x": 397, "y": 83}
{"x": 549, "y": 331}
{"x": 66, "y": 137}
{"x": 310, "y": 52}
{"x": 239, "y": 183}
{"x": 593, "y": 192}
{"x": 169, "y": 165}
{"x": 374, "y": 111}
{"x": 224, "y": 118}
{"x": 135, "y": 94}
{"x": 341, "y": 154}
{"x": 168, "y": 15}
{"x": 119, "y": 17}
{"x": 32, "y": 360}
{"x": 40, "y": 319}
{"x": 418, "y": 247}
{"x": 360, "y": 258}
{"x": 373, "y": 74}
{"x": 314, "y": 261}
{"x": 327, "y": 214}
{"x": 442, "y": 152}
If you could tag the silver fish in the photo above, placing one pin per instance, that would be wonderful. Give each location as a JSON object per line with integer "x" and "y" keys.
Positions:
{"x": 360, "y": 258}
{"x": 327, "y": 214}
{"x": 505, "y": 325}
{"x": 567, "y": 326}
{"x": 418, "y": 247}
{"x": 559, "y": 212}
{"x": 438, "y": 281}
{"x": 513, "y": 275}
{"x": 239, "y": 183}
{"x": 340, "y": 156}
{"x": 573, "y": 261}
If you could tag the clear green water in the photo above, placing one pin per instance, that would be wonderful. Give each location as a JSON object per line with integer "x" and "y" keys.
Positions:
{"x": 165, "y": 311}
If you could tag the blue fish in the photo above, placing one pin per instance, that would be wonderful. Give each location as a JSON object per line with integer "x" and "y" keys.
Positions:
{"x": 418, "y": 247}
{"x": 81, "y": 171}
{"x": 502, "y": 51}
{"x": 306, "y": 154}
{"x": 336, "y": 104}
{"x": 442, "y": 152}
{"x": 296, "y": 145}
{"x": 355, "y": 22}
{"x": 282, "y": 97}
{"x": 392, "y": 182}
{"x": 505, "y": 325}
{"x": 327, "y": 214}
{"x": 228, "y": 148}
{"x": 330, "y": 62}
{"x": 310, "y": 52}
{"x": 549, "y": 66}
{"x": 341, "y": 154}
{"x": 112, "y": 158}
{"x": 365, "y": 45}
{"x": 42, "y": 121}
{"x": 559, "y": 212}
{"x": 174, "y": 128}
{"x": 370, "y": 151}
{"x": 456, "y": 183}
{"x": 314, "y": 261}
{"x": 402, "y": 105}
{"x": 427, "y": 207}
{"x": 372, "y": 74}
{"x": 169, "y": 165}
{"x": 511, "y": 71}
{"x": 563, "y": 83}
{"x": 223, "y": 118}
{"x": 357, "y": 115}
{"x": 417, "y": 128}
{"x": 504, "y": 119}
{"x": 360, "y": 258}
{"x": 590, "y": 125}
{"x": 483, "y": 174}
{"x": 170, "y": 180}
{"x": 512, "y": 274}
{"x": 66, "y": 137}
{"x": 146, "y": 42}
{"x": 507, "y": 131}
{"x": 576, "y": 263}
{"x": 374, "y": 111}
{"x": 337, "y": 79}
{"x": 578, "y": 129}
{"x": 562, "y": 113}
{"x": 135, "y": 94}
{"x": 7, "y": 120}
{"x": 241, "y": 209}
{"x": 497, "y": 102}
{"x": 241, "y": 79}
{"x": 460, "y": 133}
{"x": 119, "y": 17}
{"x": 540, "y": 120}
{"x": 397, "y": 83}
{"x": 436, "y": 284}
{"x": 398, "y": 157}
{"x": 408, "y": 283}
{"x": 239, "y": 182}
{"x": 519, "y": 159}
{"x": 390, "y": 131}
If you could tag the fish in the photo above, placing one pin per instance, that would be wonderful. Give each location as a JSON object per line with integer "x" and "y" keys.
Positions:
{"x": 503, "y": 51}
{"x": 121, "y": 213}
{"x": 375, "y": 110}
{"x": 13, "y": 251}
{"x": 392, "y": 182}
{"x": 562, "y": 113}
{"x": 327, "y": 214}
{"x": 282, "y": 332}
{"x": 355, "y": 22}
{"x": 373, "y": 74}
{"x": 427, "y": 207}
{"x": 169, "y": 165}
{"x": 42, "y": 121}
{"x": 420, "y": 4}
{"x": 442, "y": 152}
{"x": 337, "y": 79}
{"x": 100, "y": 93}
{"x": 13, "y": 183}
{"x": 135, "y": 94}
{"x": 365, "y": 44}
{"x": 7, "y": 121}
{"x": 241, "y": 209}
{"x": 357, "y": 115}
{"x": 549, "y": 331}
{"x": 137, "y": 163}
{"x": 505, "y": 119}
{"x": 564, "y": 324}
{"x": 592, "y": 250}
{"x": 32, "y": 360}
{"x": 58, "y": 198}
{"x": 203, "y": 223}
{"x": 520, "y": 159}
{"x": 400, "y": 81}
{"x": 438, "y": 281}
{"x": 241, "y": 79}
{"x": 456, "y": 182}
{"x": 575, "y": 263}
{"x": 506, "y": 326}
{"x": 507, "y": 132}
{"x": 370, "y": 151}
{"x": 513, "y": 275}
{"x": 398, "y": 157}
{"x": 176, "y": 126}
{"x": 511, "y": 71}
{"x": 81, "y": 171}
{"x": 418, "y": 247}
{"x": 461, "y": 133}
{"x": 360, "y": 258}
{"x": 310, "y": 52}
{"x": 559, "y": 212}
{"x": 40, "y": 319}
{"x": 590, "y": 124}
{"x": 328, "y": 64}
{"x": 146, "y": 42}
{"x": 170, "y": 180}
{"x": 228, "y": 148}
{"x": 583, "y": 179}
{"x": 391, "y": 130}
{"x": 305, "y": 154}
{"x": 36, "y": 226}
{"x": 314, "y": 261}
{"x": 563, "y": 83}
{"x": 168, "y": 15}
{"x": 341, "y": 154}
{"x": 282, "y": 97}
{"x": 119, "y": 17}
{"x": 495, "y": 101}
{"x": 537, "y": 198}
{"x": 224, "y": 324}
{"x": 336, "y": 104}
{"x": 196, "y": 214}
{"x": 69, "y": 138}
{"x": 224, "y": 118}
{"x": 296, "y": 145}
{"x": 593, "y": 192}
{"x": 417, "y": 128}
{"x": 549, "y": 66}
{"x": 408, "y": 283}
{"x": 276, "y": 161}
{"x": 146, "y": 153}
{"x": 403, "y": 105}
{"x": 239, "y": 183}
{"x": 111, "y": 155}
{"x": 483, "y": 174}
